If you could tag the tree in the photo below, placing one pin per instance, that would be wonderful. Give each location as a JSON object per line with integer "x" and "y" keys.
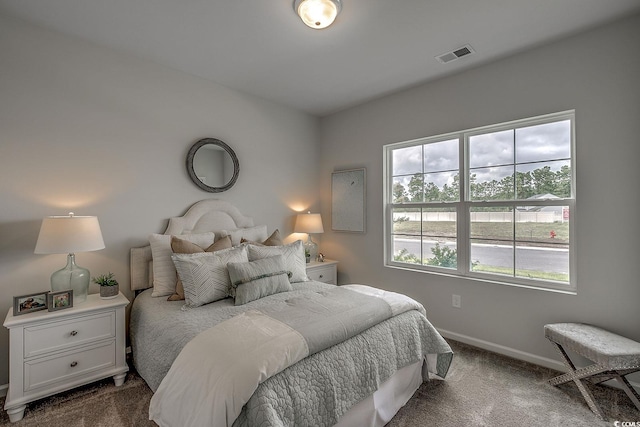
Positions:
{"x": 399, "y": 193}
{"x": 562, "y": 186}
{"x": 416, "y": 188}
{"x": 431, "y": 192}
{"x": 526, "y": 184}
{"x": 544, "y": 180}
{"x": 451, "y": 193}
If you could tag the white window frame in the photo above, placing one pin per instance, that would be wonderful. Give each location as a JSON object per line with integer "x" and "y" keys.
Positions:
{"x": 463, "y": 207}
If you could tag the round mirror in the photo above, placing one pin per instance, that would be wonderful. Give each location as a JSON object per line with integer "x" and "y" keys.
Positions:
{"x": 212, "y": 165}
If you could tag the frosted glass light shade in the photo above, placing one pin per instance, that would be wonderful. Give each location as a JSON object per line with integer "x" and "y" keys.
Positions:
{"x": 317, "y": 14}
{"x": 69, "y": 234}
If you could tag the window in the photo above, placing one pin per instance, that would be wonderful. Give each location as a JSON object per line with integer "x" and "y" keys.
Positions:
{"x": 491, "y": 203}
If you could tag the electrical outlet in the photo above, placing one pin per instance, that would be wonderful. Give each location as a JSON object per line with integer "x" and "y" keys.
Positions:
{"x": 456, "y": 301}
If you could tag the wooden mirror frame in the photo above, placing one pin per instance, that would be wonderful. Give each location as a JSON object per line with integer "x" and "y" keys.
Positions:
{"x": 192, "y": 173}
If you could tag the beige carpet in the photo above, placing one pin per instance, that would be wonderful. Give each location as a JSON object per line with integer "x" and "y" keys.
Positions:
{"x": 482, "y": 389}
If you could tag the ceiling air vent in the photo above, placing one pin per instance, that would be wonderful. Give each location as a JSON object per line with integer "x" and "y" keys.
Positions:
{"x": 455, "y": 54}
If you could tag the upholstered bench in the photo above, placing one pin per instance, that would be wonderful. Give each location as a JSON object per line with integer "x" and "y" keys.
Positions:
{"x": 613, "y": 356}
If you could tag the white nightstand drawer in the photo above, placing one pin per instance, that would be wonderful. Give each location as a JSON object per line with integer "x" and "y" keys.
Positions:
{"x": 58, "y": 336}
{"x": 46, "y": 371}
{"x": 323, "y": 274}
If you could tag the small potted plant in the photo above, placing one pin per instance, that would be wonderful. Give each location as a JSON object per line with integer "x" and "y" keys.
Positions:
{"x": 108, "y": 286}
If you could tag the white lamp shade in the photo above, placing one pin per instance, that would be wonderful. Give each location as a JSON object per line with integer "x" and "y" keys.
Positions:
{"x": 318, "y": 14}
{"x": 308, "y": 223}
{"x": 69, "y": 234}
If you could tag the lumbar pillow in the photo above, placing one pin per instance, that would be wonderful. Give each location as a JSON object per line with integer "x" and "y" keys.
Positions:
{"x": 205, "y": 276}
{"x": 273, "y": 240}
{"x": 181, "y": 246}
{"x": 164, "y": 272}
{"x": 257, "y": 233}
{"x": 293, "y": 255}
{"x": 257, "y": 279}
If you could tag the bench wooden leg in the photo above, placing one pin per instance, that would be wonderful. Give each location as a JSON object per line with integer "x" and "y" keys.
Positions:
{"x": 576, "y": 375}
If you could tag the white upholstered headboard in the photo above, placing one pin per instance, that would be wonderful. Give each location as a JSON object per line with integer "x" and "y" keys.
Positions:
{"x": 203, "y": 216}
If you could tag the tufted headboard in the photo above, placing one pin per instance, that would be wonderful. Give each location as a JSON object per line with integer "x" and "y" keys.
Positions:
{"x": 203, "y": 216}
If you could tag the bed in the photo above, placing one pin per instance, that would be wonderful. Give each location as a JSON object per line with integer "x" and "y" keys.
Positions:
{"x": 298, "y": 353}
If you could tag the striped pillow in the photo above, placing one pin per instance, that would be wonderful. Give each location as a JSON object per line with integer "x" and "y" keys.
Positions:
{"x": 293, "y": 255}
{"x": 204, "y": 276}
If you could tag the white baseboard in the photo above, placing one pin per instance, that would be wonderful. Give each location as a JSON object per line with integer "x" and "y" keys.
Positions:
{"x": 3, "y": 390}
{"x": 517, "y": 354}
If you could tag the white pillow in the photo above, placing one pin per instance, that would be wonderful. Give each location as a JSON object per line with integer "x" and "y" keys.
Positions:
{"x": 256, "y": 234}
{"x": 204, "y": 275}
{"x": 293, "y": 254}
{"x": 164, "y": 272}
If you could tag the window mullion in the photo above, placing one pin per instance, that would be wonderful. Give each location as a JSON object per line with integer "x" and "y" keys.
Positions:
{"x": 463, "y": 240}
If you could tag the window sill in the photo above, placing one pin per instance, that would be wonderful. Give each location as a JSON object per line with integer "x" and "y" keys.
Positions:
{"x": 567, "y": 291}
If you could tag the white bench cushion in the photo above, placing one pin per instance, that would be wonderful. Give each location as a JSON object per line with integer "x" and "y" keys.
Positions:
{"x": 603, "y": 347}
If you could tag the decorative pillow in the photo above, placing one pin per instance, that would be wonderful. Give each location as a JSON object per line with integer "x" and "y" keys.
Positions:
{"x": 257, "y": 233}
{"x": 181, "y": 246}
{"x": 273, "y": 240}
{"x": 164, "y": 272}
{"x": 257, "y": 279}
{"x": 205, "y": 276}
{"x": 293, "y": 255}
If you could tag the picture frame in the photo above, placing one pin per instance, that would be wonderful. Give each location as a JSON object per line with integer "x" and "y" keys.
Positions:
{"x": 24, "y": 304}
{"x": 348, "y": 201}
{"x": 60, "y": 300}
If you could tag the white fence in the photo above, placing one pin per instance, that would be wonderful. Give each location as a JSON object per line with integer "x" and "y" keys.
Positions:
{"x": 482, "y": 216}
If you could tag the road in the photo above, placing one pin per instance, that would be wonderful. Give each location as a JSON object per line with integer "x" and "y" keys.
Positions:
{"x": 542, "y": 259}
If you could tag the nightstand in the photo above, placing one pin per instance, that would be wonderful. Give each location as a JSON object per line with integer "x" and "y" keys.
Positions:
{"x": 50, "y": 352}
{"x": 326, "y": 271}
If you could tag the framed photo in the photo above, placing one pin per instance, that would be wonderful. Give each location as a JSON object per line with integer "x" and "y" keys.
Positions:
{"x": 348, "y": 200}
{"x": 60, "y": 300}
{"x": 29, "y": 303}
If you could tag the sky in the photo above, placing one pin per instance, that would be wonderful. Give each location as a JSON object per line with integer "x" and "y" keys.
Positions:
{"x": 491, "y": 155}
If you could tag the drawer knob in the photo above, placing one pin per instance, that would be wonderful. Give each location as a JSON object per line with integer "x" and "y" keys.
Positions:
{"x": 74, "y": 333}
{"x": 74, "y": 364}
{"x": 321, "y": 276}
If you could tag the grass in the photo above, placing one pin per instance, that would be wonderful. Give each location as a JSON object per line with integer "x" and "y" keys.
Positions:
{"x": 532, "y": 232}
{"x": 530, "y": 274}
{"x": 527, "y": 234}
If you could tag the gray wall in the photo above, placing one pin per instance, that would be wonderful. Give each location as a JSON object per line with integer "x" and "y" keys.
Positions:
{"x": 85, "y": 129}
{"x": 596, "y": 73}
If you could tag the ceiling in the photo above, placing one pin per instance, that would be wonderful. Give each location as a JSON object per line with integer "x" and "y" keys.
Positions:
{"x": 261, "y": 47}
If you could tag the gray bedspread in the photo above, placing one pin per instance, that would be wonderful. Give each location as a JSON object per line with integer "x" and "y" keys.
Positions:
{"x": 315, "y": 391}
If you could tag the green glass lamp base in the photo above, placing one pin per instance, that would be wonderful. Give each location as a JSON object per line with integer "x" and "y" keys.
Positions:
{"x": 72, "y": 277}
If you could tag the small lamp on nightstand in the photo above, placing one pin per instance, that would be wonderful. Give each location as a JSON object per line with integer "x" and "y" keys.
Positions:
{"x": 67, "y": 235}
{"x": 309, "y": 223}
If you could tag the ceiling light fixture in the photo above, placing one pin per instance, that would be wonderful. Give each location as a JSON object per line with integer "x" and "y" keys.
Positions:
{"x": 317, "y": 14}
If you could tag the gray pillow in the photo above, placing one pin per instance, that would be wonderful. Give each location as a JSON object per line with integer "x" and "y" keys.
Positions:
{"x": 257, "y": 279}
{"x": 205, "y": 276}
{"x": 293, "y": 254}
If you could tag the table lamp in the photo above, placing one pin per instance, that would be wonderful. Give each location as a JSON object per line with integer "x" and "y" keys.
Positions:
{"x": 309, "y": 223}
{"x": 70, "y": 234}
